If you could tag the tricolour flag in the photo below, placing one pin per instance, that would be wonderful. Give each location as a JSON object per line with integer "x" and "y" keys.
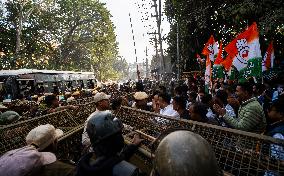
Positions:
{"x": 268, "y": 59}
{"x": 218, "y": 71}
{"x": 219, "y": 58}
{"x": 211, "y": 49}
{"x": 207, "y": 75}
{"x": 244, "y": 54}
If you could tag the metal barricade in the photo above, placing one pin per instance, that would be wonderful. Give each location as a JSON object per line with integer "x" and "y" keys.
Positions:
{"x": 13, "y": 136}
{"x": 82, "y": 113}
{"x": 69, "y": 145}
{"x": 238, "y": 152}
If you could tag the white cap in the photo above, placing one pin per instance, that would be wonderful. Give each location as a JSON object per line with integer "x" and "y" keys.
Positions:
{"x": 140, "y": 96}
{"x": 67, "y": 93}
{"x": 76, "y": 93}
{"x": 70, "y": 99}
{"x": 2, "y": 106}
{"x": 101, "y": 96}
{"x": 34, "y": 96}
{"x": 46, "y": 94}
{"x": 43, "y": 135}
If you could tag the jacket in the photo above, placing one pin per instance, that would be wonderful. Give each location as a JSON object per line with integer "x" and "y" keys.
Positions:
{"x": 90, "y": 166}
{"x": 250, "y": 117}
{"x": 57, "y": 168}
{"x": 274, "y": 128}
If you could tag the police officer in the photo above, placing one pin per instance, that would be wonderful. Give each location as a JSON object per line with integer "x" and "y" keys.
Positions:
{"x": 110, "y": 152}
{"x": 183, "y": 153}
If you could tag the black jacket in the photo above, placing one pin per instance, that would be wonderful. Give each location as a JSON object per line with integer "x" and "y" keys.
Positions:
{"x": 102, "y": 166}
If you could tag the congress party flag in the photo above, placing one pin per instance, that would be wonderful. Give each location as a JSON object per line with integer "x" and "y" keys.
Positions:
{"x": 244, "y": 54}
{"x": 268, "y": 59}
{"x": 208, "y": 75}
{"x": 218, "y": 71}
{"x": 211, "y": 49}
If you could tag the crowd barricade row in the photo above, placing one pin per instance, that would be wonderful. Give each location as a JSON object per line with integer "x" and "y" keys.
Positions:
{"x": 29, "y": 109}
{"x": 26, "y": 109}
{"x": 13, "y": 135}
{"x": 238, "y": 152}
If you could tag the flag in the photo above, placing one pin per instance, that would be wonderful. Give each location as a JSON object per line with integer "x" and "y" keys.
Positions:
{"x": 218, "y": 71}
{"x": 207, "y": 75}
{"x": 219, "y": 58}
{"x": 244, "y": 54}
{"x": 211, "y": 49}
{"x": 199, "y": 60}
{"x": 268, "y": 59}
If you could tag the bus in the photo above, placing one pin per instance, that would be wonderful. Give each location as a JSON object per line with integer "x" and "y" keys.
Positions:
{"x": 32, "y": 81}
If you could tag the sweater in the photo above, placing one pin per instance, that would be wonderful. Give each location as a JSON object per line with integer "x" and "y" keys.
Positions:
{"x": 250, "y": 117}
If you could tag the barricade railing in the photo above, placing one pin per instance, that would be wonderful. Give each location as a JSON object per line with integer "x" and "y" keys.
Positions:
{"x": 238, "y": 152}
{"x": 69, "y": 145}
{"x": 82, "y": 101}
{"x": 13, "y": 136}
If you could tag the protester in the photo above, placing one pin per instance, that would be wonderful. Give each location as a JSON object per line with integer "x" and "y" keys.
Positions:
{"x": 232, "y": 100}
{"x": 165, "y": 107}
{"x": 76, "y": 95}
{"x": 201, "y": 94}
{"x": 110, "y": 153}
{"x": 221, "y": 99}
{"x": 8, "y": 117}
{"x": 67, "y": 95}
{"x": 276, "y": 115}
{"x": 191, "y": 98}
{"x": 102, "y": 104}
{"x": 141, "y": 101}
{"x": 198, "y": 112}
{"x": 52, "y": 104}
{"x": 37, "y": 158}
{"x": 179, "y": 105}
{"x": 250, "y": 115}
{"x": 155, "y": 102}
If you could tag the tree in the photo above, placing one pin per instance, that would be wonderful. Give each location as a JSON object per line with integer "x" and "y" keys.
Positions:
{"x": 198, "y": 19}
{"x": 64, "y": 35}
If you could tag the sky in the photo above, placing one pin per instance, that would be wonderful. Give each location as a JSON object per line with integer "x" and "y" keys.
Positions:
{"x": 139, "y": 10}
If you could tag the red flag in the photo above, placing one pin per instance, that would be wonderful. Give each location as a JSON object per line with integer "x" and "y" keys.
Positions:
{"x": 238, "y": 50}
{"x": 210, "y": 49}
{"x": 219, "y": 58}
{"x": 268, "y": 58}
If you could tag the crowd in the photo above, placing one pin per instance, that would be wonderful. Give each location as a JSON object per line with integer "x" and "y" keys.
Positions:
{"x": 248, "y": 106}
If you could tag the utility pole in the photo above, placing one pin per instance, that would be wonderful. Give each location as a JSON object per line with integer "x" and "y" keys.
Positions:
{"x": 135, "y": 52}
{"x": 158, "y": 16}
{"x": 147, "y": 64}
{"x": 158, "y": 59}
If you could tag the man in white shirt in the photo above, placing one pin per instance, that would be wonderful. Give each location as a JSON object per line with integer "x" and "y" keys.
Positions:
{"x": 166, "y": 107}
{"x": 102, "y": 104}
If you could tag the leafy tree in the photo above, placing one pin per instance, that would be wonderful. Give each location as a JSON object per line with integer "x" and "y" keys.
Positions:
{"x": 198, "y": 19}
{"x": 64, "y": 35}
